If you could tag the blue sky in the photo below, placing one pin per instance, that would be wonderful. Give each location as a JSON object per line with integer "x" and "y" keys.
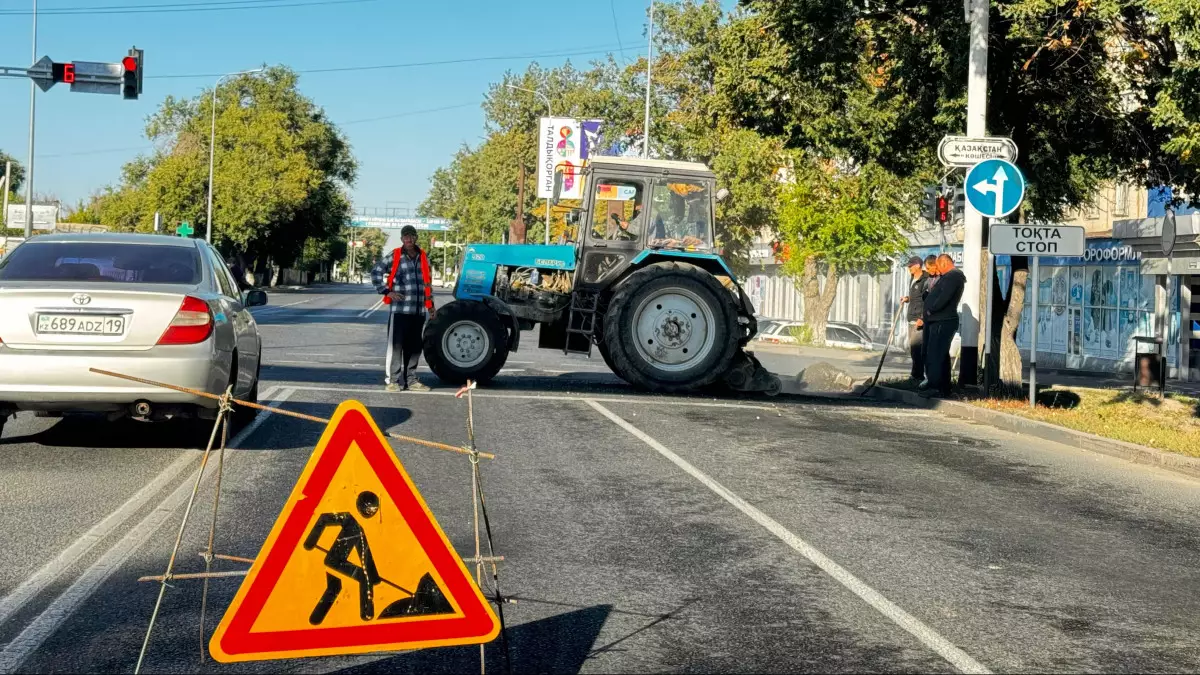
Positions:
{"x": 83, "y": 139}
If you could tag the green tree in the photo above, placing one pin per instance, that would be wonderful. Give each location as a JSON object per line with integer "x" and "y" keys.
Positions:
{"x": 836, "y": 216}
{"x": 280, "y": 176}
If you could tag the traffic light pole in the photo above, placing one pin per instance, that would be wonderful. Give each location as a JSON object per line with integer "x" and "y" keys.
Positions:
{"x": 32, "y": 124}
{"x": 977, "y": 94}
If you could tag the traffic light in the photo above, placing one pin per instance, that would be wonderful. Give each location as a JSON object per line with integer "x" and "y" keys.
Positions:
{"x": 131, "y": 80}
{"x": 63, "y": 72}
{"x": 942, "y": 210}
{"x": 958, "y": 204}
{"x": 929, "y": 203}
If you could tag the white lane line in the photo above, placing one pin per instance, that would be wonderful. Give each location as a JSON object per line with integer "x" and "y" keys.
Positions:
{"x": 271, "y": 308}
{"x": 371, "y": 310}
{"x": 324, "y": 363}
{"x": 929, "y": 637}
{"x": 61, "y": 609}
{"x": 39, "y": 580}
{"x": 639, "y": 400}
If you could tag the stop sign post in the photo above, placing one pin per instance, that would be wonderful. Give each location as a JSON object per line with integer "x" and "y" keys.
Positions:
{"x": 1036, "y": 241}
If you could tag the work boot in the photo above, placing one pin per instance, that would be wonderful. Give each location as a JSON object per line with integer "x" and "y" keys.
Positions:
{"x": 417, "y": 385}
{"x": 393, "y": 387}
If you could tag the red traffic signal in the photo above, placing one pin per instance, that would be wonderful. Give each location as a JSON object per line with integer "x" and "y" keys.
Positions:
{"x": 942, "y": 209}
{"x": 130, "y": 64}
{"x": 63, "y": 72}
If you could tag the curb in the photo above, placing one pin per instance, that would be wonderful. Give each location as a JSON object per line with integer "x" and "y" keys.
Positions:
{"x": 1081, "y": 440}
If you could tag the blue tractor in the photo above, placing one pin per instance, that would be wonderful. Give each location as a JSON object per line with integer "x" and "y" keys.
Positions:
{"x": 642, "y": 285}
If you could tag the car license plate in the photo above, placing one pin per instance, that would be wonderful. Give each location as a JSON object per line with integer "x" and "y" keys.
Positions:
{"x": 76, "y": 324}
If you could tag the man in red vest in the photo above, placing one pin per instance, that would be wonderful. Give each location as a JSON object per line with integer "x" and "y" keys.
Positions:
{"x": 404, "y": 279}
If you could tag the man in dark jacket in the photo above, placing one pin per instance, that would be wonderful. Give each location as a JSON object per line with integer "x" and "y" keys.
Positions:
{"x": 940, "y": 322}
{"x": 916, "y": 311}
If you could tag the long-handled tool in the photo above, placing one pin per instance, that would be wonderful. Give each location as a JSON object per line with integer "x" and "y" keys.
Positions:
{"x": 887, "y": 348}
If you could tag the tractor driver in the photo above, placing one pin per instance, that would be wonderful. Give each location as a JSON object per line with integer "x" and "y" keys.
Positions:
{"x": 625, "y": 230}
{"x": 675, "y": 231}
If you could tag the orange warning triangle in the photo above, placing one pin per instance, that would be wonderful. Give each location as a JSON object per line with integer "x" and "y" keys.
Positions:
{"x": 355, "y": 563}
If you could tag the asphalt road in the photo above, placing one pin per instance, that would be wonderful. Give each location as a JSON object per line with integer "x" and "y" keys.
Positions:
{"x": 640, "y": 533}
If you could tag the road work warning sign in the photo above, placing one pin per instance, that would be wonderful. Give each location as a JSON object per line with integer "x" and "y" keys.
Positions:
{"x": 355, "y": 563}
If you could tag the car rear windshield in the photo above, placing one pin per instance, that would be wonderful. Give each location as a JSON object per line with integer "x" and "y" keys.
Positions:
{"x": 102, "y": 262}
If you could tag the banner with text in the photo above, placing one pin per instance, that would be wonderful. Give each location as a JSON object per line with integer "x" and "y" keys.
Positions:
{"x": 560, "y": 150}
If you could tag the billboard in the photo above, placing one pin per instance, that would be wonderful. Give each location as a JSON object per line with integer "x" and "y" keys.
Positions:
{"x": 560, "y": 150}
{"x": 45, "y": 216}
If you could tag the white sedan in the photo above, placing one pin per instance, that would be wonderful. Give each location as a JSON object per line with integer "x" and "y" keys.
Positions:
{"x": 844, "y": 336}
{"x": 151, "y": 306}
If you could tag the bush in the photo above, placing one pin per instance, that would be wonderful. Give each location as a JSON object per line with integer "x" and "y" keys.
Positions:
{"x": 803, "y": 334}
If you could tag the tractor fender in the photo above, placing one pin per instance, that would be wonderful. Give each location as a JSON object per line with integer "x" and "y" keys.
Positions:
{"x": 501, "y": 307}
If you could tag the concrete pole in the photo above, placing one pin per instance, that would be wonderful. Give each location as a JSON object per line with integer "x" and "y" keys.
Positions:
{"x": 7, "y": 187}
{"x": 649, "y": 67}
{"x": 212, "y": 149}
{"x": 32, "y": 120}
{"x": 973, "y": 221}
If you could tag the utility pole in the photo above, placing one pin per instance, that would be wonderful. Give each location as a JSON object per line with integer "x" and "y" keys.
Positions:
{"x": 516, "y": 231}
{"x": 649, "y": 67}
{"x": 7, "y": 187}
{"x": 977, "y": 94}
{"x": 32, "y": 119}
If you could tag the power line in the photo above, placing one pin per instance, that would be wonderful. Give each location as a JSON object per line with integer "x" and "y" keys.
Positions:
{"x": 414, "y": 64}
{"x": 409, "y": 113}
{"x": 174, "y": 8}
{"x": 616, "y": 26}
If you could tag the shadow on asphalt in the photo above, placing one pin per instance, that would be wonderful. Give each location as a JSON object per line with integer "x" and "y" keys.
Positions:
{"x": 558, "y": 644}
{"x": 576, "y": 383}
{"x": 92, "y": 431}
{"x": 303, "y": 316}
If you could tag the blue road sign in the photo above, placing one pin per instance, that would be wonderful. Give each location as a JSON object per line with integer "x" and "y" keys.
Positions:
{"x": 995, "y": 187}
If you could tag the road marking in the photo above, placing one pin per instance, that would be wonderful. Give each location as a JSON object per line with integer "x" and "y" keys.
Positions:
{"x": 371, "y": 310}
{"x": 323, "y": 363}
{"x": 640, "y": 400}
{"x": 39, "y": 580}
{"x": 929, "y": 637}
{"x": 270, "y": 308}
{"x": 62, "y": 607}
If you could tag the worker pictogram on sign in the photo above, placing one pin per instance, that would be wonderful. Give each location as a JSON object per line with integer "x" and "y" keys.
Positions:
{"x": 355, "y": 563}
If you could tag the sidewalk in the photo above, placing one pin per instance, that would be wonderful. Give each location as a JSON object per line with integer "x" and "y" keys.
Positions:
{"x": 1068, "y": 378}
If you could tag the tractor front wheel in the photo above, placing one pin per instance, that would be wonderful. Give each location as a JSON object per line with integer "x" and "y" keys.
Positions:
{"x": 671, "y": 327}
{"x": 465, "y": 341}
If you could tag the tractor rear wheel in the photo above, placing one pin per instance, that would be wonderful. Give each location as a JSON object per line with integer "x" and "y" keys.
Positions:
{"x": 465, "y": 341}
{"x": 671, "y": 327}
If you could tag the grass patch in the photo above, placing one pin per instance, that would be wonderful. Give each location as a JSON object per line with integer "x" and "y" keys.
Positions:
{"x": 1171, "y": 423}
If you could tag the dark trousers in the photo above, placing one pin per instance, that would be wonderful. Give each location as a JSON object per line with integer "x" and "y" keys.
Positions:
{"x": 404, "y": 348}
{"x": 938, "y": 338}
{"x": 916, "y": 349}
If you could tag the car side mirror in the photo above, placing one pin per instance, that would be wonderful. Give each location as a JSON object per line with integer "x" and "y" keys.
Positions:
{"x": 558, "y": 187}
{"x": 255, "y": 298}
{"x": 573, "y": 217}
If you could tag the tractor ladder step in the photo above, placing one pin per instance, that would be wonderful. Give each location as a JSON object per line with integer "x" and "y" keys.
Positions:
{"x": 585, "y": 306}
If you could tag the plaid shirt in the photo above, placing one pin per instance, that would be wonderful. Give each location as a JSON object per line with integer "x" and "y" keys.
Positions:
{"x": 408, "y": 281}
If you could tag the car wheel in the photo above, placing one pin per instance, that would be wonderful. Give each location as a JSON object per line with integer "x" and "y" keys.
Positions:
{"x": 243, "y": 415}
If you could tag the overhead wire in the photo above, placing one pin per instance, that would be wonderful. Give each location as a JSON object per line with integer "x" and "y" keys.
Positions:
{"x": 175, "y": 8}
{"x": 412, "y": 64}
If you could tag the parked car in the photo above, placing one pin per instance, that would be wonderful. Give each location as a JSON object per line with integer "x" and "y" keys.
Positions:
{"x": 775, "y": 331}
{"x": 151, "y": 306}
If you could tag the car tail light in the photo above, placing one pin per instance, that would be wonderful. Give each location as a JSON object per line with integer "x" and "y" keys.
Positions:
{"x": 193, "y": 323}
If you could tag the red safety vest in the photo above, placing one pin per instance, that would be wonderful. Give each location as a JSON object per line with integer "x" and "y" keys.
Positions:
{"x": 426, "y": 277}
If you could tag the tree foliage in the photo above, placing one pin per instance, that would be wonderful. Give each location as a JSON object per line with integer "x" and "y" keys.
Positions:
{"x": 281, "y": 170}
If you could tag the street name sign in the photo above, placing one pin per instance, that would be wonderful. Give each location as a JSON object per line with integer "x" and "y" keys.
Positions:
{"x": 995, "y": 187}
{"x": 356, "y": 563}
{"x": 1055, "y": 240}
{"x": 964, "y": 151}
